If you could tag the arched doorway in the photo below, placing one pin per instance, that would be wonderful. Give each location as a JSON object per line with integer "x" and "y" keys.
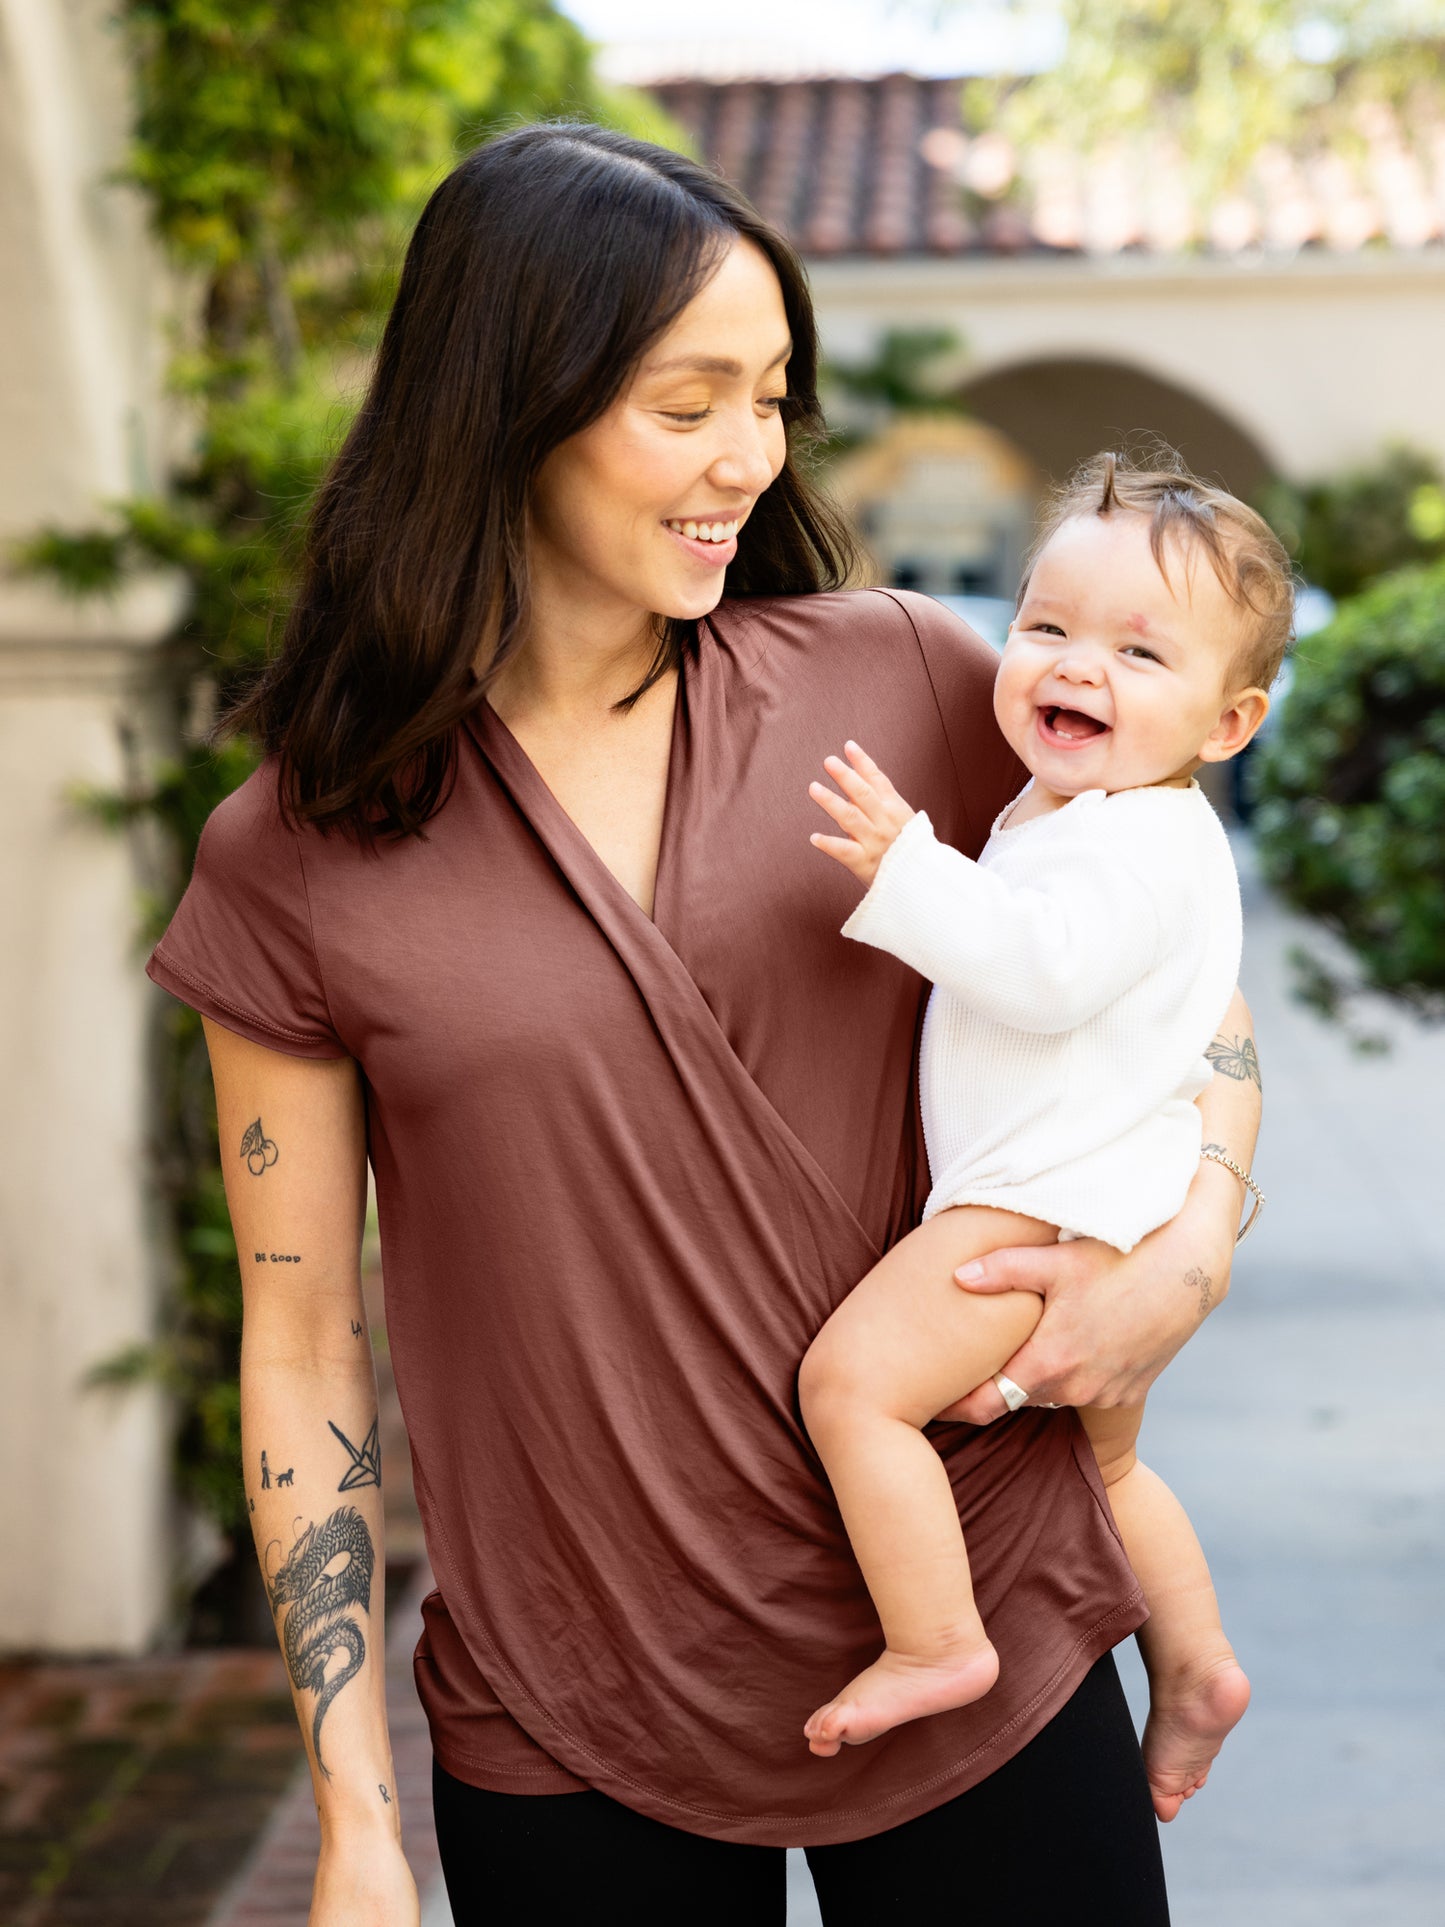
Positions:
{"x": 1057, "y": 412}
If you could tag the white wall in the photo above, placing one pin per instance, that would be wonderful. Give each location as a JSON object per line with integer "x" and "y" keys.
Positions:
{"x": 1322, "y": 359}
{"x": 85, "y": 1513}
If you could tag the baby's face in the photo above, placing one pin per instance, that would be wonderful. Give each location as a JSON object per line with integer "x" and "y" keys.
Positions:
{"x": 1113, "y": 677}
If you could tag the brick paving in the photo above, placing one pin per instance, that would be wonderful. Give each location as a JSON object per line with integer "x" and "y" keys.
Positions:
{"x": 172, "y": 1790}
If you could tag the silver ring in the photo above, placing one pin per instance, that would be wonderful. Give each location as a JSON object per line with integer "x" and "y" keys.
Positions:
{"x": 1013, "y": 1395}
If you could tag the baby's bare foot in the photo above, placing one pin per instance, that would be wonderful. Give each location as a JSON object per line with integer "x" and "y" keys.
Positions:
{"x": 899, "y": 1687}
{"x": 1189, "y": 1719}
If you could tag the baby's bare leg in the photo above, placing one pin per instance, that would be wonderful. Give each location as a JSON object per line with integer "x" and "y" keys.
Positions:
{"x": 904, "y": 1344}
{"x": 1197, "y": 1690}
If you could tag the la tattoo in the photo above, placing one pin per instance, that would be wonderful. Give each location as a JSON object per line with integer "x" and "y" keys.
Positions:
{"x": 1201, "y": 1282}
{"x": 327, "y": 1574}
{"x": 365, "y": 1460}
{"x": 258, "y": 1150}
{"x": 1236, "y": 1057}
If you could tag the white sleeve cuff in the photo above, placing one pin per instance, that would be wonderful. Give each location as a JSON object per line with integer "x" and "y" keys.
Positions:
{"x": 876, "y": 920}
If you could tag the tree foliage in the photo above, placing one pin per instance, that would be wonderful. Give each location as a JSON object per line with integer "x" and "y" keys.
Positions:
{"x": 1220, "y": 79}
{"x": 285, "y": 148}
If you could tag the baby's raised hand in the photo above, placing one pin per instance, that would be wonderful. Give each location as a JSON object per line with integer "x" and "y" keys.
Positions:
{"x": 870, "y": 811}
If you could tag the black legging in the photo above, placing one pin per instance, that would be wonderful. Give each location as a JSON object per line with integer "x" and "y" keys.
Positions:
{"x": 1063, "y": 1830}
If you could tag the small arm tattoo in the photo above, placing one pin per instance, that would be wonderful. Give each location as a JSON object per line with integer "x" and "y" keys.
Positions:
{"x": 258, "y": 1150}
{"x": 1201, "y": 1282}
{"x": 365, "y": 1468}
{"x": 1236, "y": 1057}
{"x": 278, "y": 1257}
{"x": 381, "y": 1789}
{"x": 355, "y": 1329}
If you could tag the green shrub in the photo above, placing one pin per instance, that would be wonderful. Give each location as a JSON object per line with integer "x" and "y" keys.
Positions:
{"x": 1346, "y": 531}
{"x": 1350, "y": 790}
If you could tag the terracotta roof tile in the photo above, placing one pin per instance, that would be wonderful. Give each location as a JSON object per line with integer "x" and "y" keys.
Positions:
{"x": 884, "y": 167}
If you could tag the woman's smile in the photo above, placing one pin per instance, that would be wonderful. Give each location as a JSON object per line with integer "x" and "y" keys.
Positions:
{"x": 713, "y": 543}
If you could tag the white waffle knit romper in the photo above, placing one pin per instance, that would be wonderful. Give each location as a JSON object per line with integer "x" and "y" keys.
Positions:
{"x": 1080, "y": 967}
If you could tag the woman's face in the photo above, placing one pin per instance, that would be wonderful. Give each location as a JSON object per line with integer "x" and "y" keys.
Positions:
{"x": 638, "y": 513}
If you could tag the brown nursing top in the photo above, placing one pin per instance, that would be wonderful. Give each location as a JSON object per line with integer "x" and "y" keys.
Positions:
{"x": 625, "y": 1168}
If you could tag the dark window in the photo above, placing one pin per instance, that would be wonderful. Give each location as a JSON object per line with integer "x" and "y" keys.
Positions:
{"x": 973, "y": 581}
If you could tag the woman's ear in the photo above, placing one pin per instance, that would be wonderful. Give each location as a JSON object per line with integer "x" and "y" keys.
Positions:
{"x": 1237, "y": 725}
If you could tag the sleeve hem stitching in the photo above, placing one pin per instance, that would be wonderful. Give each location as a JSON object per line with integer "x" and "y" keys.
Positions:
{"x": 225, "y": 1003}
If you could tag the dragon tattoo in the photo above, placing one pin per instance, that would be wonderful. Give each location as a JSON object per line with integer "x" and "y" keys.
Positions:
{"x": 328, "y": 1571}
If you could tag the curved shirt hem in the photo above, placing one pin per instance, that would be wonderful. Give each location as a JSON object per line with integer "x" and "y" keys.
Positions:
{"x": 830, "y": 1826}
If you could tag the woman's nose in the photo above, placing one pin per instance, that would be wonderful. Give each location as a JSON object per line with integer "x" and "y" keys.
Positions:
{"x": 747, "y": 461}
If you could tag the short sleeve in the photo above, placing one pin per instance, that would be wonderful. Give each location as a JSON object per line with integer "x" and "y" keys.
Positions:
{"x": 962, "y": 668}
{"x": 240, "y": 947}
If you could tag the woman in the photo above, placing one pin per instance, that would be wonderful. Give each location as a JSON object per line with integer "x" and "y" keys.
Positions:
{"x": 522, "y": 906}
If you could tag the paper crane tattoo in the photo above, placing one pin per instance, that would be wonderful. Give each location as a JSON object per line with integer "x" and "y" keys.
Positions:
{"x": 365, "y": 1468}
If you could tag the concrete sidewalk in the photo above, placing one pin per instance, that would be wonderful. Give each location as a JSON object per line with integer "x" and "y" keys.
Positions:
{"x": 1305, "y": 1430}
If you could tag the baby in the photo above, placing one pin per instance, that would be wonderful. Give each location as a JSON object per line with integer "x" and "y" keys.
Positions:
{"x": 1081, "y": 967}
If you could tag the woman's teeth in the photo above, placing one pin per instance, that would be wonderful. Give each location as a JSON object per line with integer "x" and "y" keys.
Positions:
{"x": 706, "y": 531}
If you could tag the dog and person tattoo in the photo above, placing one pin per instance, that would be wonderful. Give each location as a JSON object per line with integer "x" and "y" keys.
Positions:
{"x": 328, "y": 1572}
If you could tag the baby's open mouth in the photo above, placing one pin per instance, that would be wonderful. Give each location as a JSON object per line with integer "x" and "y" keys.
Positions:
{"x": 1072, "y": 725}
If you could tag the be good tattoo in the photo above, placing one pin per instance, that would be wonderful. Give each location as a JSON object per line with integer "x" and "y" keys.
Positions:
{"x": 325, "y": 1577}
{"x": 258, "y": 1150}
{"x": 1236, "y": 1057}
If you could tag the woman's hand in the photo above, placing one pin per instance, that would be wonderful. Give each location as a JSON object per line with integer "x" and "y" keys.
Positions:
{"x": 870, "y": 810}
{"x": 1111, "y": 1322}
{"x": 362, "y": 1880}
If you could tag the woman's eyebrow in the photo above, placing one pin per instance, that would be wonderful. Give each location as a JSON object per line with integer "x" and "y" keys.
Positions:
{"x": 713, "y": 364}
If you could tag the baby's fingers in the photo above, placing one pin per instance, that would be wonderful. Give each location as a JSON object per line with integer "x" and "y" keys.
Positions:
{"x": 843, "y": 850}
{"x": 838, "y": 807}
{"x": 868, "y": 770}
{"x": 871, "y": 804}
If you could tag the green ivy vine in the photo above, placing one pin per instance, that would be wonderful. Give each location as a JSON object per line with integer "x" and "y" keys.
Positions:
{"x": 285, "y": 148}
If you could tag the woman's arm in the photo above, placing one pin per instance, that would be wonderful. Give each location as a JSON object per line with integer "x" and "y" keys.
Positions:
{"x": 293, "y": 1159}
{"x": 1111, "y": 1322}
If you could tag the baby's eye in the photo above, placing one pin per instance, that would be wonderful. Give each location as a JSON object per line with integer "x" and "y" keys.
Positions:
{"x": 1138, "y": 649}
{"x": 1043, "y": 629}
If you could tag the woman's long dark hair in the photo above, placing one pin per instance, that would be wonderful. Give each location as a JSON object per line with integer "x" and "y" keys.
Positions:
{"x": 540, "y": 270}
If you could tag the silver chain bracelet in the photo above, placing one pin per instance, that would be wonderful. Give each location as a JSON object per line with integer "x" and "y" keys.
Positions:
{"x": 1218, "y": 1157}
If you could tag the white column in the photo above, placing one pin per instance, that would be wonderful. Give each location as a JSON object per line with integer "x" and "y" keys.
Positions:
{"x": 86, "y": 1535}
{"x": 85, "y": 1511}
